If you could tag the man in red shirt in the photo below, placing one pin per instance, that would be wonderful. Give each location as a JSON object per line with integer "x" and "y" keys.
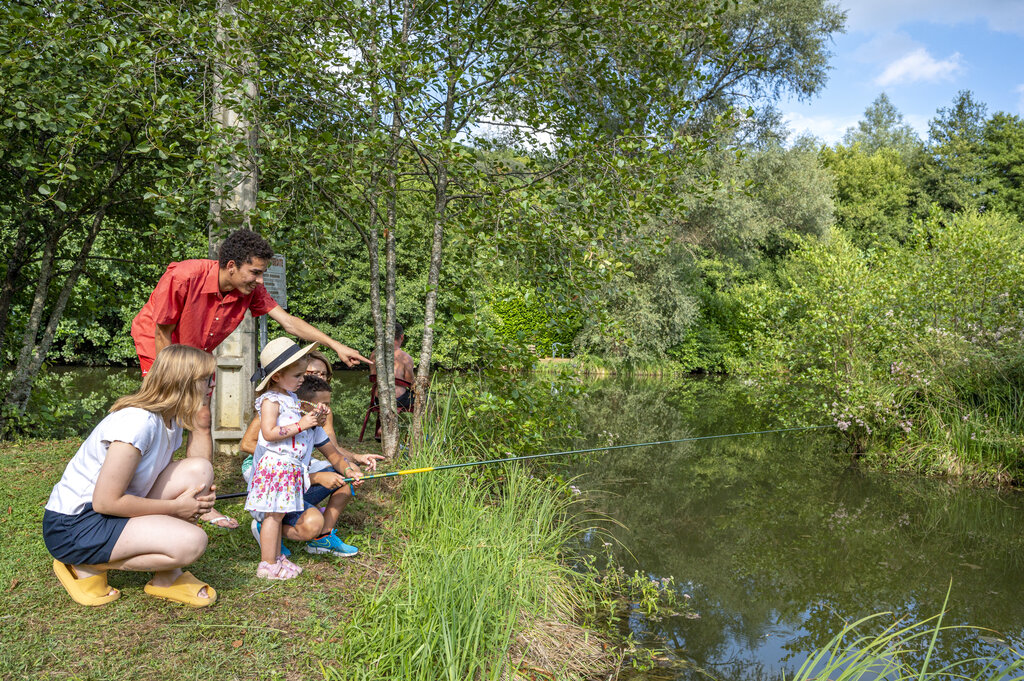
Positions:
{"x": 200, "y": 302}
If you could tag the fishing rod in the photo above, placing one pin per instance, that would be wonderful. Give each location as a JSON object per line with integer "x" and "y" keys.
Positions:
{"x": 487, "y": 462}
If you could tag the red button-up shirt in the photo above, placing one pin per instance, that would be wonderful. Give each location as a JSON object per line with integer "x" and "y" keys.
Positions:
{"x": 188, "y": 295}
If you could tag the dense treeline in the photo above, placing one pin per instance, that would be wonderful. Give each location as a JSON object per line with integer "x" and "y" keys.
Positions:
{"x": 879, "y": 288}
{"x": 535, "y": 145}
{"x": 591, "y": 199}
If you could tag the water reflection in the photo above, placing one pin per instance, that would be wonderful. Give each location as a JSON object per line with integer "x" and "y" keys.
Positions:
{"x": 779, "y": 539}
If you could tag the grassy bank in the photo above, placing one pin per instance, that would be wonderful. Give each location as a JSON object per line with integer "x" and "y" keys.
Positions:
{"x": 458, "y": 577}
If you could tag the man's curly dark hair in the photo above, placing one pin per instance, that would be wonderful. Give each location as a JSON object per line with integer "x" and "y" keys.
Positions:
{"x": 311, "y": 385}
{"x": 242, "y": 246}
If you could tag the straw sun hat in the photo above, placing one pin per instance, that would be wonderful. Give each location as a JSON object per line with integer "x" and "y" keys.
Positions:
{"x": 276, "y": 355}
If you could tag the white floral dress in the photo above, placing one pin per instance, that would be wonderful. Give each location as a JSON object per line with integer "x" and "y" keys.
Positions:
{"x": 280, "y": 469}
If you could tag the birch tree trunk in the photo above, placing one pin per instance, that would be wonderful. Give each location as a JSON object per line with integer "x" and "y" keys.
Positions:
{"x": 422, "y": 382}
{"x": 233, "y": 89}
{"x": 386, "y": 358}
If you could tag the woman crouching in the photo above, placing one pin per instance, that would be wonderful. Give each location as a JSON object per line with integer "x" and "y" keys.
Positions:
{"x": 122, "y": 504}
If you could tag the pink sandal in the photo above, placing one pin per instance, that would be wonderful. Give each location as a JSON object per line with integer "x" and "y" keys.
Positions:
{"x": 274, "y": 571}
{"x": 291, "y": 567}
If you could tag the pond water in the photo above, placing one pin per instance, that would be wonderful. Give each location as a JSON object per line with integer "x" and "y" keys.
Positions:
{"x": 776, "y": 541}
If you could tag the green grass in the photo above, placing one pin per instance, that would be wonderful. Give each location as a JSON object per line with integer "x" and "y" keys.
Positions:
{"x": 459, "y": 576}
{"x": 969, "y": 425}
{"x": 256, "y": 629}
{"x": 480, "y": 585}
{"x": 591, "y": 365}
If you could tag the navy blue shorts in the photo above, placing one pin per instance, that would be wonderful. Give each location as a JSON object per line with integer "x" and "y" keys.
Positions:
{"x": 84, "y": 539}
{"x": 405, "y": 401}
{"x": 313, "y": 497}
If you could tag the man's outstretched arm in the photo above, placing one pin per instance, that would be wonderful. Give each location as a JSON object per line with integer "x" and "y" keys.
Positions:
{"x": 297, "y": 327}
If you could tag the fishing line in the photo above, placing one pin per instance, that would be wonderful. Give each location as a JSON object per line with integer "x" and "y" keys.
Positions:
{"x": 487, "y": 462}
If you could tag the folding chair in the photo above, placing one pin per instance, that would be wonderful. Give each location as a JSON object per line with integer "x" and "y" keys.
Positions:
{"x": 375, "y": 406}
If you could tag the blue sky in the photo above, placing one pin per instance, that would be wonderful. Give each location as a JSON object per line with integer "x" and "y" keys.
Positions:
{"x": 920, "y": 53}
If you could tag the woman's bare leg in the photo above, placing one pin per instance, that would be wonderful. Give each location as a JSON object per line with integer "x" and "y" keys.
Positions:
{"x": 161, "y": 544}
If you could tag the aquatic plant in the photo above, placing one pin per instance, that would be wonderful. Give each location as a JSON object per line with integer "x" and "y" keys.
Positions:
{"x": 904, "y": 651}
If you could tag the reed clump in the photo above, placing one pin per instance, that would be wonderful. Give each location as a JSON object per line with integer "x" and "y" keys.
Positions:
{"x": 483, "y": 591}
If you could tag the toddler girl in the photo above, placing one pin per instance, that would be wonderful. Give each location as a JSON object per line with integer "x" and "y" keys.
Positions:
{"x": 286, "y": 437}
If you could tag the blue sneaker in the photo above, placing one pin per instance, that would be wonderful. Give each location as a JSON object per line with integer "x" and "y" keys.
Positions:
{"x": 254, "y": 527}
{"x": 330, "y": 543}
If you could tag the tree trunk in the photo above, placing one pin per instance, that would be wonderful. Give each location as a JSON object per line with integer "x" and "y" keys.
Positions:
{"x": 430, "y": 306}
{"x": 386, "y": 357}
{"x": 236, "y": 184}
{"x": 234, "y": 201}
{"x": 21, "y": 381}
{"x": 433, "y": 276}
{"x": 33, "y": 353}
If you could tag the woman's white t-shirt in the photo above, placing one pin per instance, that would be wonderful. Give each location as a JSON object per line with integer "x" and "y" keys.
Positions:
{"x": 143, "y": 430}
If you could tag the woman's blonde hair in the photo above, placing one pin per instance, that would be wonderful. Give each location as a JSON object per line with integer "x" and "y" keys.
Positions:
{"x": 171, "y": 388}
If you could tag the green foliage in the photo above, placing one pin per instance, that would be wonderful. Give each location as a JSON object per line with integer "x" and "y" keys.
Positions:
{"x": 1003, "y": 157}
{"x": 523, "y": 318}
{"x": 954, "y": 175}
{"x": 896, "y": 345}
{"x": 874, "y": 194}
{"x": 479, "y": 565}
{"x": 883, "y": 128}
{"x": 504, "y": 413}
{"x": 62, "y": 407}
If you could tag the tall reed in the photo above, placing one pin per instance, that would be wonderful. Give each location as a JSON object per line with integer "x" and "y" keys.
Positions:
{"x": 480, "y": 561}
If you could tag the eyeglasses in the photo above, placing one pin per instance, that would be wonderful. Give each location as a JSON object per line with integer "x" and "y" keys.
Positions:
{"x": 314, "y": 372}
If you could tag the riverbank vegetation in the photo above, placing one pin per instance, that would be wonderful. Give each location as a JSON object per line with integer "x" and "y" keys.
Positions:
{"x": 616, "y": 192}
{"x": 870, "y": 283}
{"x": 462, "y": 575}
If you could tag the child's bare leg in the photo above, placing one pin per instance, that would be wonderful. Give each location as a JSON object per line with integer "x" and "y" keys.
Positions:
{"x": 335, "y": 506}
{"x": 270, "y": 537}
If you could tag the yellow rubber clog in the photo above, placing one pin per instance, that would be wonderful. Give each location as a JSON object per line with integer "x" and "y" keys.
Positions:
{"x": 185, "y": 590}
{"x": 89, "y": 591}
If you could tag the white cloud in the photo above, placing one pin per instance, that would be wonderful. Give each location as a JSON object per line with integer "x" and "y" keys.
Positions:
{"x": 829, "y": 129}
{"x": 885, "y": 47}
{"x": 918, "y": 66}
{"x": 1006, "y": 16}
